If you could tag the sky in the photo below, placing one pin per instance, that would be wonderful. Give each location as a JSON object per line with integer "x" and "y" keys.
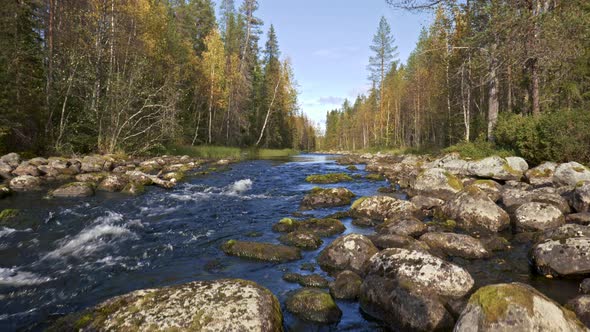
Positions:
{"x": 328, "y": 44}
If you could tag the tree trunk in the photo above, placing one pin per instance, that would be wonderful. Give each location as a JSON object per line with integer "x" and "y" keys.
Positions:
{"x": 269, "y": 109}
{"x": 493, "y": 103}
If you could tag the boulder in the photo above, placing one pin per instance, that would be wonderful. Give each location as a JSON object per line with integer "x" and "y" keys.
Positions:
{"x": 386, "y": 241}
{"x": 512, "y": 198}
{"x": 581, "y": 306}
{"x": 585, "y": 286}
{"x": 11, "y": 159}
{"x": 472, "y": 209}
{"x": 563, "y": 232}
{"x": 541, "y": 175}
{"x": 74, "y": 189}
{"x": 457, "y": 245}
{"x": 219, "y": 305}
{"x": 407, "y": 226}
{"x": 321, "y": 198}
{"x": 436, "y": 182}
{"x": 350, "y": 252}
{"x": 133, "y": 189}
{"x": 582, "y": 218}
{"x": 139, "y": 177}
{"x": 402, "y": 306}
{"x": 564, "y": 258}
{"x": 581, "y": 197}
{"x": 25, "y": 183}
{"x": 261, "y": 251}
{"x": 422, "y": 270}
{"x": 5, "y": 171}
{"x": 321, "y": 227}
{"x": 346, "y": 286}
{"x": 492, "y": 188}
{"x": 314, "y": 305}
{"x": 495, "y": 168}
{"x": 302, "y": 239}
{"x": 92, "y": 164}
{"x": 382, "y": 208}
{"x": 113, "y": 183}
{"x": 4, "y": 191}
{"x": 328, "y": 178}
{"x": 26, "y": 169}
{"x": 310, "y": 280}
{"x": 514, "y": 307}
{"x": 571, "y": 174}
{"x": 173, "y": 176}
{"x": 518, "y": 164}
{"x": 426, "y": 204}
{"x": 453, "y": 164}
{"x": 537, "y": 217}
{"x": 49, "y": 171}
{"x": 91, "y": 177}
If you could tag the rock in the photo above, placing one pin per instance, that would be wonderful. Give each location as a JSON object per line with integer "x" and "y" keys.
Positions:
{"x": 386, "y": 241}
{"x": 11, "y": 159}
{"x": 8, "y": 214}
{"x": 328, "y": 178}
{"x": 408, "y": 226}
{"x": 91, "y": 177}
{"x": 38, "y": 161}
{"x": 25, "y": 183}
{"x": 403, "y": 307}
{"x": 311, "y": 280}
{"x": 566, "y": 257}
{"x": 58, "y": 163}
{"x": 518, "y": 164}
{"x": 92, "y": 164}
{"x": 26, "y": 169}
{"x": 494, "y": 168}
{"x": 5, "y": 170}
{"x": 474, "y": 210}
{"x": 436, "y": 182}
{"x": 571, "y": 174}
{"x": 453, "y": 164}
{"x": 261, "y": 251}
{"x": 4, "y": 191}
{"x": 350, "y": 252}
{"x": 513, "y": 198}
{"x": 581, "y": 306}
{"x": 219, "y": 305}
{"x": 321, "y": 198}
{"x": 49, "y": 171}
{"x": 314, "y": 305}
{"x": 381, "y": 208}
{"x": 426, "y": 204}
{"x": 134, "y": 189}
{"x": 541, "y": 175}
{"x": 585, "y": 286}
{"x": 74, "y": 189}
{"x": 514, "y": 307}
{"x": 495, "y": 243}
{"x": 457, "y": 245}
{"x": 173, "y": 176}
{"x": 113, "y": 183}
{"x": 423, "y": 270}
{"x": 302, "y": 239}
{"x": 347, "y": 286}
{"x": 582, "y": 218}
{"x": 492, "y": 188}
{"x": 139, "y": 177}
{"x": 537, "y": 217}
{"x": 285, "y": 225}
{"x": 321, "y": 227}
{"x": 581, "y": 199}
{"x": 563, "y": 232}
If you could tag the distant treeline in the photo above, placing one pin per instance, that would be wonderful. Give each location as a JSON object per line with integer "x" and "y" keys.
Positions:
{"x": 480, "y": 67}
{"x": 134, "y": 75}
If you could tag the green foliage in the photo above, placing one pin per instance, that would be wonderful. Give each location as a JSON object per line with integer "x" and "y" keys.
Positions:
{"x": 328, "y": 178}
{"x": 206, "y": 151}
{"x": 478, "y": 150}
{"x": 558, "y": 136}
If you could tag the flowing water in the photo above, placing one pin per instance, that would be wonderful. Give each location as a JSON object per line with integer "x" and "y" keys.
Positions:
{"x": 61, "y": 256}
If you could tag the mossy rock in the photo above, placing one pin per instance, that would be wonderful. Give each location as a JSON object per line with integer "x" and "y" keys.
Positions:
{"x": 454, "y": 182}
{"x": 322, "y": 227}
{"x": 314, "y": 305}
{"x": 352, "y": 168}
{"x": 328, "y": 178}
{"x": 261, "y": 251}
{"x": 311, "y": 280}
{"x": 134, "y": 189}
{"x": 285, "y": 225}
{"x": 446, "y": 225}
{"x": 302, "y": 239}
{"x": 74, "y": 189}
{"x": 8, "y": 214}
{"x": 173, "y": 176}
{"x": 375, "y": 177}
{"x": 330, "y": 197}
{"x": 357, "y": 202}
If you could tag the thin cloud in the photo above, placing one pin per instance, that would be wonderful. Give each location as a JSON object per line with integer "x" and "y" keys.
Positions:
{"x": 330, "y": 100}
{"x": 335, "y": 52}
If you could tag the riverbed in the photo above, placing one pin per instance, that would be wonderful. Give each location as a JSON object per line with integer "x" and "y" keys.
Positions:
{"x": 63, "y": 255}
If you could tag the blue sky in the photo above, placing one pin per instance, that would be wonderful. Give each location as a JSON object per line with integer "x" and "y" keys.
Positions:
{"x": 328, "y": 43}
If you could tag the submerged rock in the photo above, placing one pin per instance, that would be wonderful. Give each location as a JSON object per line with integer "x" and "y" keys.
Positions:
{"x": 261, "y": 251}
{"x": 8, "y": 214}
{"x": 221, "y": 305}
{"x": 328, "y": 178}
{"x": 514, "y": 307}
{"x": 74, "y": 189}
{"x": 457, "y": 245}
{"x": 538, "y": 217}
{"x": 320, "y": 198}
{"x": 347, "y": 286}
{"x": 310, "y": 280}
{"x": 314, "y": 305}
{"x": 381, "y": 208}
{"x": 350, "y": 252}
{"x": 302, "y": 239}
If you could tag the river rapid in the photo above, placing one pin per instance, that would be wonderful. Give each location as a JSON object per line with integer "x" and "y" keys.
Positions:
{"x": 62, "y": 255}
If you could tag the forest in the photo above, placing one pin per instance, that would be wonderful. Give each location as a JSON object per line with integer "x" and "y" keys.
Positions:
{"x": 109, "y": 76}
{"x": 511, "y": 75}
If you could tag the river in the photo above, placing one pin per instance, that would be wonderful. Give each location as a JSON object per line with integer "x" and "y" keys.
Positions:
{"x": 62, "y": 256}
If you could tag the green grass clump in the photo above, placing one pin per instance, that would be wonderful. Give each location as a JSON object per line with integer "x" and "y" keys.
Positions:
{"x": 328, "y": 178}
{"x": 374, "y": 177}
{"x": 478, "y": 150}
{"x": 226, "y": 152}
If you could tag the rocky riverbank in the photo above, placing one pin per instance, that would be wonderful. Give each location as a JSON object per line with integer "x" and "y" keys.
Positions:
{"x": 413, "y": 268}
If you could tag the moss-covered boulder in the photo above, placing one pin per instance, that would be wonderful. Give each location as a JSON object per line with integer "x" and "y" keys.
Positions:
{"x": 261, "y": 251}
{"x": 474, "y": 210}
{"x": 570, "y": 174}
{"x": 492, "y": 188}
{"x": 73, "y": 190}
{"x": 328, "y": 178}
{"x": 346, "y": 286}
{"x": 220, "y": 305}
{"x": 302, "y": 239}
{"x": 381, "y": 208}
{"x": 322, "y": 227}
{"x": 494, "y": 167}
{"x": 321, "y": 198}
{"x": 349, "y": 252}
{"x": 456, "y": 245}
{"x": 139, "y": 177}
{"x": 314, "y": 305}
{"x": 375, "y": 177}
{"x": 113, "y": 183}
{"x": 515, "y": 307}
{"x": 512, "y": 198}
{"x": 407, "y": 226}
{"x": 8, "y": 214}
{"x": 25, "y": 183}
{"x": 541, "y": 175}
{"x": 310, "y": 280}
{"x": 437, "y": 182}
{"x": 4, "y": 191}
{"x": 285, "y": 225}
{"x": 352, "y": 168}
{"x": 93, "y": 164}
{"x": 173, "y": 176}
{"x": 95, "y": 177}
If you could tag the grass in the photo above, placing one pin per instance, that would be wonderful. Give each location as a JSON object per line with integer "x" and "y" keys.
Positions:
{"x": 225, "y": 152}
{"x": 478, "y": 150}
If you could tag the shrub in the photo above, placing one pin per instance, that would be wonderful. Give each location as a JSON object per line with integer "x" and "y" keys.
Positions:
{"x": 478, "y": 149}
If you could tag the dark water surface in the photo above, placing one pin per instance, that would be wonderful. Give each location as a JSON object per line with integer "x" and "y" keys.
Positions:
{"x": 60, "y": 256}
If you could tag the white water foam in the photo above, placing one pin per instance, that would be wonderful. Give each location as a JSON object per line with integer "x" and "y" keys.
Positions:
{"x": 14, "y": 277}
{"x": 238, "y": 187}
{"x": 4, "y": 231}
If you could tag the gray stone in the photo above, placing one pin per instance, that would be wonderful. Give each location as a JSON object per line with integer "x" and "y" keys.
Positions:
{"x": 581, "y": 199}
{"x": 437, "y": 182}
{"x": 321, "y": 198}
{"x": 494, "y": 168}
{"x": 314, "y": 305}
{"x": 408, "y": 226}
{"x": 347, "y": 286}
{"x": 571, "y": 174}
{"x": 350, "y": 252}
{"x": 261, "y": 251}
{"x": 567, "y": 257}
{"x": 25, "y": 183}
{"x": 75, "y": 189}
{"x": 537, "y": 217}
{"x": 382, "y": 208}
{"x": 457, "y": 245}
